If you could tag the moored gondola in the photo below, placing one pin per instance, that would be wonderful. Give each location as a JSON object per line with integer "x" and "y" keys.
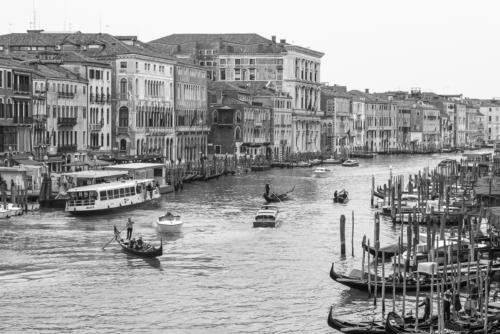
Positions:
{"x": 146, "y": 251}
{"x": 361, "y": 283}
{"x": 364, "y": 327}
{"x": 394, "y": 324}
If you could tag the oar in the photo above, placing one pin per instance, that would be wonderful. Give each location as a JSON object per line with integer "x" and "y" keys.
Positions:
{"x": 277, "y": 197}
{"x": 114, "y": 238}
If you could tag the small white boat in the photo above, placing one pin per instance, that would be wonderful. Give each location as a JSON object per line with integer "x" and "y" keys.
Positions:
{"x": 169, "y": 223}
{"x": 350, "y": 163}
{"x": 332, "y": 161}
{"x": 321, "y": 171}
{"x": 267, "y": 216}
{"x": 14, "y": 209}
{"x": 4, "y": 213}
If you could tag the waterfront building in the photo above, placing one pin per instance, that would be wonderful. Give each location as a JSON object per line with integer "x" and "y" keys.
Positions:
{"x": 405, "y": 131}
{"x": 66, "y": 105}
{"x": 142, "y": 90}
{"x": 491, "y": 121}
{"x": 98, "y": 74}
{"x": 191, "y": 130}
{"x": 474, "y": 126}
{"x": 358, "y": 111}
{"x": 15, "y": 106}
{"x": 381, "y": 125}
{"x": 252, "y": 58}
{"x": 239, "y": 126}
{"x": 337, "y": 106}
{"x": 41, "y": 138}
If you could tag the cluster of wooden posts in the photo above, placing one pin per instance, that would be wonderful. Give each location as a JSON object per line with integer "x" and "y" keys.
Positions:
{"x": 445, "y": 232}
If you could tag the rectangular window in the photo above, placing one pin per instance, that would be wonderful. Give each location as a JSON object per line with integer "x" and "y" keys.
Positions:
{"x": 202, "y": 63}
{"x": 1, "y": 79}
{"x": 132, "y": 191}
{"x": 91, "y": 74}
{"x": 237, "y": 74}
{"x": 123, "y": 64}
{"x": 237, "y": 61}
{"x": 217, "y": 149}
{"x": 9, "y": 80}
{"x": 127, "y": 191}
{"x": 252, "y": 74}
{"x": 222, "y": 61}
{"x": 122, "y": 192}
{"x": 103, "y": 195}
{"x": 116, "y": 193}
{"x": 222, "y": 75}
{"x": 252, "y": 61}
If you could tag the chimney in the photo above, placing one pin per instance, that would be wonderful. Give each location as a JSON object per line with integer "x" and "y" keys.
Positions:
{"x": 367, "y": 90}
{"x": 282, "y": 41}
{"x": 273, "y": 38}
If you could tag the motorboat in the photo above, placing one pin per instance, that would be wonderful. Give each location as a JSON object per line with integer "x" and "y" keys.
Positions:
{"x": 332, "y": 161}
{"x": 169, "y": 223}
{"x": 14, "y": 209}
{"x": 350, "y": 163}
{"x": 267, "y": 216}
{"x": 321, "y": 171}
{"x": 303, "y": 164}
{"x": 341, "y": 197}
{"x": 4, "y": 213}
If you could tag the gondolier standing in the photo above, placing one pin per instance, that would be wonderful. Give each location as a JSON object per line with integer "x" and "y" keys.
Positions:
{"x": 130, "y": 227}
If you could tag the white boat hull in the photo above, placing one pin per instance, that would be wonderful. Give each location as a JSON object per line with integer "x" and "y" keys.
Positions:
{"x": 169, "y": 227}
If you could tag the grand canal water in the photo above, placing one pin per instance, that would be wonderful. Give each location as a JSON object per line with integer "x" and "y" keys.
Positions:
{"x": 219, "y": 275}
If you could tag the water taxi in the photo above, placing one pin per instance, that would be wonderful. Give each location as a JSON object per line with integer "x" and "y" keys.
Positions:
{"x": 350, "y": 163}
{"x": 109, "y": 196}
{"x": 320, "y": 171}
{"x": 169, "y": 223}
{"x": 267, "y": 216}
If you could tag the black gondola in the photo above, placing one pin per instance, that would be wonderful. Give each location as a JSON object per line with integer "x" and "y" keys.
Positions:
{"x": 356, "y": 282}
{"x": 147, "y": 252}
{"x": 364, "y": 327}
{"x": 341, "y": 197}
{"x": 394, "y": 324}
{"x": 389, "y": 251}
{"x": 275, "y": 198}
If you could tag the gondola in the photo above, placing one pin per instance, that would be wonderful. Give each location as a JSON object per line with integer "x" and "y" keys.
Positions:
{"x": 356, "y": 282}
{"x": 342, "y": 197}
{"x": 389, "y": 251}
{"x": 364, "y": 327}
{"x": 276, "y": 198}
{"x": 394, "y": 324}
{"x": 144, "y": 252}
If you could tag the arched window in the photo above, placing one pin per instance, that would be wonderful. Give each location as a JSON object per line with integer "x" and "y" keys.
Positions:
{"x": 123, "y": 88}
{"x": 123, "y": 145}
{"x": 237, "y": 134}
{"x": 123, "y": 116}
{"x": 215, "y": 116}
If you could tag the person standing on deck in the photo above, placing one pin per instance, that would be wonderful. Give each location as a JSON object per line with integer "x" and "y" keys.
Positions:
{"x": 130, "y": 227}
{"x": 267, "y": 189}
{"x": 427, "y": 308}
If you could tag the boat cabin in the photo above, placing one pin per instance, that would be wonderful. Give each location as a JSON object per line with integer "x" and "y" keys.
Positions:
{"x": 143, "y": 170}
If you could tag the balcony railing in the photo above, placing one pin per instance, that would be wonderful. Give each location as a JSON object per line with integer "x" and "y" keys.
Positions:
{"x": 66, "y": 148}
{"x": 123, "y": 129}
{"x": 96, "y": 127}
{"x": 23, "y": 120}
{"x": 66, "y": 121}
{"x": 65, "y": 95}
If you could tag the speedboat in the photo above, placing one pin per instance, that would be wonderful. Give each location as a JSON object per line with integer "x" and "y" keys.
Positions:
{"x": 332, "y": 161}
{"x": 350, "y": 163}
{"x": 169, "y": 223}
{"x": 4, "y": 213}
{"x": 321, "y": 171}
{"x": 14, "y": 209}
{"x": 267, "y": 216}
{"x": 341, "y": 197}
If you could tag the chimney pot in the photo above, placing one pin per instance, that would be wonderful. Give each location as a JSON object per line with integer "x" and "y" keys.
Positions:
{"x": 273, "y": 38}
{"x": 367, "y": 90}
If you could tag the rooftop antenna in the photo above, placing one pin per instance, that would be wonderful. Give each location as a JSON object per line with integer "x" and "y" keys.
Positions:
{"x": 34, "y": 15}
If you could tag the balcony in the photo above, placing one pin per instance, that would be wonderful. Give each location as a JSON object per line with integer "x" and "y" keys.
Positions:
{"x": 66, "y": 148}
{"x": 65, "y": 95}
{"x": 96, "y": 127}
{"x": 123, "y": 130}
{"x": 23, "y": 120}
{"x": 66, "y": 121}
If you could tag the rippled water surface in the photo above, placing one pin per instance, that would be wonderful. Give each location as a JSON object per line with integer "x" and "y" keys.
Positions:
{"x": 219, "y": 275}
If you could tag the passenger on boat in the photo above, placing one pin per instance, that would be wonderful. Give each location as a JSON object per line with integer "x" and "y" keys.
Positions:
{"x": 131, "y": 244}
{"x": 140, "y": 244}
{"x": 335, "y": 195}
{"x": 149, "y": 188}
{"x": 268, "y": 188}
{"x": 447, "y": 305}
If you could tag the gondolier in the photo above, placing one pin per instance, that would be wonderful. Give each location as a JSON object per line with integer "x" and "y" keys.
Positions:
{"x": 130, "y": 227}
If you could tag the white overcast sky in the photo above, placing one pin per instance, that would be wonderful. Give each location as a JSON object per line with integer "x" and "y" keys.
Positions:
{"x": 436, "y": 45}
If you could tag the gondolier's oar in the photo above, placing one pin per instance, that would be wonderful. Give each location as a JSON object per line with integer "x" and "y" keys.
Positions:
{"x": 114, "y": 238}
{"x": 277, "y": 197}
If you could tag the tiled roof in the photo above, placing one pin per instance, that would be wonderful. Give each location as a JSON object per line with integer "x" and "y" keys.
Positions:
{"x": 54, "y": 71}
{"x": 244, "y": 39}
{"x": 14, "y": 63}
{"x": 226, "y": 86}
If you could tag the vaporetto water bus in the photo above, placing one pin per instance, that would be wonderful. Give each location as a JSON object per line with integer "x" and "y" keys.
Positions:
{"x": 109, "y": 196}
